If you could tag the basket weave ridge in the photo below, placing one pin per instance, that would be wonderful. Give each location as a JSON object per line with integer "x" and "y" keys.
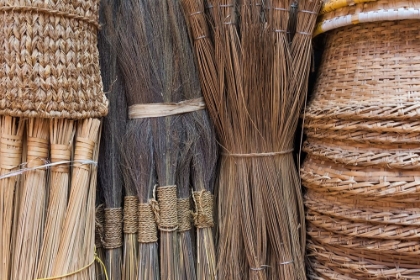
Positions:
{"x": 370, "y": 71}
{"x": 49, "y": 60}
{"x": 364, "y": 211}
{"x": 367, "y": 11}
{"x": 348, "y": 181}
{"x": 364, "y": 155}
{"x": 355, "y": 266}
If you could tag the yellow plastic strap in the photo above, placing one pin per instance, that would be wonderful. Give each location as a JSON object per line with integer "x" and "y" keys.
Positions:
{"x": 96, "y": 258}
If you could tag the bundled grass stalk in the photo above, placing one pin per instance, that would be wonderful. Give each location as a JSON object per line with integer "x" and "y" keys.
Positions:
{"x": 77, "y": 240}
{"x": 255, "y": 113}
{"x": 139, "y": 165}
{"x": 99, "y": 239}
{"x": 32, "y": 203}
{"x": 10, "y": 158}
{"x": 186, "y": 257}
{"x": 89, "y": 232}
{"x": 110, "y": 173}
{"x": 62, "y": 132}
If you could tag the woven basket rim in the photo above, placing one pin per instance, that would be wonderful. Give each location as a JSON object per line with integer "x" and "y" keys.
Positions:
{"x": 369, "y": 11}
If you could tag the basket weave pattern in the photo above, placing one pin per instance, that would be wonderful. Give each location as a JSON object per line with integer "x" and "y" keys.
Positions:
{"x": 363, "y": 155}
{"x": 49, "y": 59}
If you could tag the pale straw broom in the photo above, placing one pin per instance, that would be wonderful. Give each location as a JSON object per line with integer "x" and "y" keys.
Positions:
{"x": 62, "y": 132}
{"x": 75, "y": 249}
{"x": 32, "y": 204}
{"x": 11, "y": 139}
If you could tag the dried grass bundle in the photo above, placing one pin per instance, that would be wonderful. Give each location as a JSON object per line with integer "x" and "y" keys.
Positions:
{"x": 62, "y": 132}
{"x": 11, "y": 139}
{"x": 139, "y": 166}
{"x": 32, "y": 204}
{"x": 110, "y": 173}
{"x": 76, "y": 248}
{"x": 257, "y": 101}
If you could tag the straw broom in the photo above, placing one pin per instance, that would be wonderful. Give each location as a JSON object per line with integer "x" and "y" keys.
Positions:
{"x": 32, "y": 203}
{"x": 262, "y": 111}
{"x": 139, "y": 165}
{"x": 110, "y": 173}
{"x": 61, "y": 138}
{"x": 73, "y": 249}
{"x": 11, "y": 153}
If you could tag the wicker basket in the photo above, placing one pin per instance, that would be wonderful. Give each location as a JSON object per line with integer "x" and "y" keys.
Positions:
{"x": 363, "y": 154}
{"x": 338, "y": 13}
{"x": 49, "y": 59}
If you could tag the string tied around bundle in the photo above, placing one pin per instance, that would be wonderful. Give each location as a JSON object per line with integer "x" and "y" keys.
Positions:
{"x": 157, "y": 110}
{"x": 184, "y": 214}
{"x": 204, "y": 205}
{"x": 113, "y": 228}
{"x": 95, "y": 258}
{"x": 147, "y": 228}
{"x": 270, "y": 154}
{"x": 130, "y": 218}
{"x": 165, "y": 208}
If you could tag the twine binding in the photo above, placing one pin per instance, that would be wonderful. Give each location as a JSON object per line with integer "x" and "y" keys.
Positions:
{"x": 113, "y": 228}
{"x": 130, "y": 218}
{"x": 259, "y": 154}
{"x": 156, "y": 110}
{"x": 204, "y": 205}
{"x": 184, "y": 214}
{"x": 147, "y": 230}
{"x": 95, "y": 258}
{"x": 165, "y": 208}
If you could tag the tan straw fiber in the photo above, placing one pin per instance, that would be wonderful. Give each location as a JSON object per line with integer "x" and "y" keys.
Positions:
{"x": 364, "y": 211}
{"x": 369, "y": 71}
{"x": 382, "y": 10}
{"x": 49, "y": 59}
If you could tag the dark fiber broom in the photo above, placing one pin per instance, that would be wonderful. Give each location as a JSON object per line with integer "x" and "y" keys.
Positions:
{"x": 110, "y": 173}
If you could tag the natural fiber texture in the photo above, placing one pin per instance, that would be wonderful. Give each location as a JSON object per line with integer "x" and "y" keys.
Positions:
{"x": 203, "y": 216}
{"x": 147, "y": 231}
{"x": 362, "y": 155}
{"x": 11, "y": 141}
{"x": 33, "y": 195}
{"x": 50, "y": 65}
{"x": 99, "y": 226}
{"x": 374, "y": 11}
{"x": 130, "y": 214}
{"x": 356, "y": 86}
{"x": 165, "y": 209}
{"x": 156, "y": 110}
{"x": 184, "y": 214}
{"x": 62, "y": 133}
{"x": 113, "y": 228}
{"x": 77, "y": 238}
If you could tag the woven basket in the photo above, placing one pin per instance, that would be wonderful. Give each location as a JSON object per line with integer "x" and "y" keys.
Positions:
{"x": 338, "y": 14}
{"x": 49, "y": 59}
{"x": 370, "y": 71}
{"x": 332, "y": 5}
{"x": 363, "y": 154}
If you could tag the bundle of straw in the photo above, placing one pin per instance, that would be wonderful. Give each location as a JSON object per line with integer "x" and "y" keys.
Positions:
{"x": 255, "y": 87}
{"x": 10, "y": 158}
{"x": 157, "y": 63}
{"x": 32, "y": 196}
{"x": 139, "y": 165}
{"x": 77, "y": 238}
{"x": 110, "y": 173}
{"x": 61, "y": 138}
